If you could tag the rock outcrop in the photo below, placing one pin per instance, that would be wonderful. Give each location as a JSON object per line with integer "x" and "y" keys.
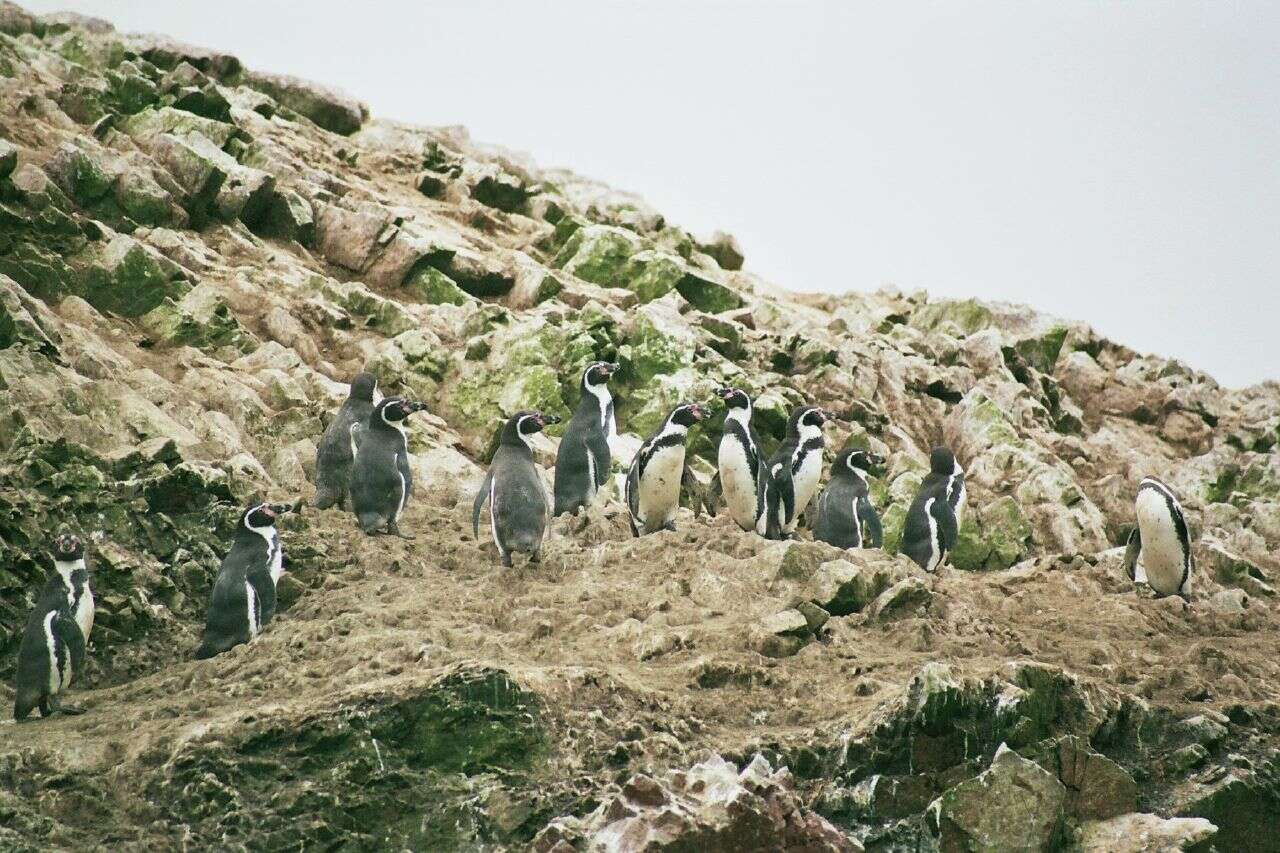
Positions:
{"x": 195, "y": 257}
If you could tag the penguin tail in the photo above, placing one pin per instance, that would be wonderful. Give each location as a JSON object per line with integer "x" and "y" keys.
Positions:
{"x": 326, "y": 497}
{"x": 206, "y": 651}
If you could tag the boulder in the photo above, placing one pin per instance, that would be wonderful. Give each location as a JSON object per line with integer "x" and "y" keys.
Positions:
{"x": 200, "y": 319}
{"x": 712, "y": 807}
{"x": 1144, "y": 833}
{"x": 8, "y": 158}
{"x": 848, "y": 585}
{"x": 349, "y": 237}
{"x": 1097, "y": 787}
{"x": 723, "y": 249}
{"x": 1013, "y": 805}
{"x": 908, "y": 597}
{"x": 328, "y": 108}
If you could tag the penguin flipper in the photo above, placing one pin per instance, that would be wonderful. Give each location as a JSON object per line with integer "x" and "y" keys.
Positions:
{"x": 872, "y": 532}
{"x": 69, "y": 632}
{"x": 478, "y": 504}
{"x": 948, "y": 530}
{"x": 1131, "y": 554}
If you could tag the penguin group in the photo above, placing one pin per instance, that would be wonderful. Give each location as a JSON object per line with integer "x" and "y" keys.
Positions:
{"x": 363, "y": 465}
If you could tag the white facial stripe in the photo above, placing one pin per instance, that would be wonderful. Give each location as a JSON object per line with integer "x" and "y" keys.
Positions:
{"x": 742, "y": 416}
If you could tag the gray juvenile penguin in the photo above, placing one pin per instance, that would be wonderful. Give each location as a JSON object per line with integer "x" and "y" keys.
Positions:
{"x": 930, "y": 529}
{"x": 334, "y": 454}
{"x": 513, "y": 487}
{"x": 1162, "y": 540}
{"x": 381, "y": 481}
{"x": 53, "y": 646}
{"x": 846, "y": 517}
{"x": 658, "y": 471}
{"x": 244, "y": 593}
{"x": 743, "y": 475}
{"x": 795, "y": 469}
{"x": 583, "y": 460}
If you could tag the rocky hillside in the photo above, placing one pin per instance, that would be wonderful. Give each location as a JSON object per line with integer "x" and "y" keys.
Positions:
{"x": 194, "y": 259}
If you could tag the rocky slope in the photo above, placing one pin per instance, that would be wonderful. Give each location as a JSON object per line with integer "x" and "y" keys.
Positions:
{"x": 195, "y": 257}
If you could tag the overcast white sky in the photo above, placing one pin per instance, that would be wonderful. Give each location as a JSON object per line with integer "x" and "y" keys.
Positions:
{"x": 1112, "y": 162}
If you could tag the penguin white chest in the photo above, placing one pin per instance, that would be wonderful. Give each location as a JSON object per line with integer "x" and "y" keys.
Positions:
{"x": 806, "y": 479}
{"x": 82, "y": 607}
{"x": 660, "y": 486}
{"x": 738, "y": 481}
{"x": 1162, "y": 550}
{"x": 935, "y": 539}
{"x": 84, "y": 613}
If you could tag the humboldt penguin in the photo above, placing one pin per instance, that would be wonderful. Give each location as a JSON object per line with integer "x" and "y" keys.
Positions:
{"x": 335, "y": 452}
{"x": 846, "y": 517}
{"x": 1162, "y": 541}
{"x": 53, "y": 646}
{"x": 742, "y": 474}
{"x": 930, "y": 529}
{"x": 244, "y": 593}
{"x": 658, "y": 471}
{"x": 513, "y": 487}
{"x": 795, "y": 469}
{"x": 381, "y": 481}
{"x": 583, "y": 460}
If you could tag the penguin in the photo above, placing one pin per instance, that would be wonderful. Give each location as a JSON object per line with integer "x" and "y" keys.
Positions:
{"x": 244, "y": 593}
{"x": 335, "y": 452}
{"x": 930, "y": 529}
{"x": 795, "y": 470}
{"x": 742, "y": 475}
{"x": 846, "y": 517}
{"x": 583, "y": 460}
{"x": 381, "y": 481}
{"x": 658, "y": 470}
{"x": 1161, "y": 539}
{"x": 53, "y": 646}
{"x": 513, "y": 487}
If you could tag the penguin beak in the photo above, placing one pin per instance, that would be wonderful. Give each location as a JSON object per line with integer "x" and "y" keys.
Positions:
{"x": 875, "y": 458}
{"x": 280, "y": 509}
{"x": 269, "y": 511}
{"x": 547, "y": 420}
{"x": 698, "y": 412}
{"x": 827, "y": 414}
{"x": 411, "y": 407}
{"x": 724, "y": 393}
{"x": 610, "y": 368}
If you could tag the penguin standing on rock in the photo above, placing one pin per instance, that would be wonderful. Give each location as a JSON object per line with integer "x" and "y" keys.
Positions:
{"x": 795, "y": 470}
{"x": 1162, "y": 540}
{"x": 381, "y": 481}
{"x": 846, "y": 517}
{"x": 583, "y": 460}
{"x": 335, "y": 452}
{"x": 742, "y": 476}
{"x": 932, "y": 523}
{"x": 658, "y": 471}
{"x": 513, "y": 487}
{"x": 53, "y": 646}
{"x": 244, "y": 593}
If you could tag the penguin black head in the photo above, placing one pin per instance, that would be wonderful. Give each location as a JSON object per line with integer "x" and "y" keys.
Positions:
{"x": 734, "y": 398}
{"x": 942, "y": 461}
{"x": 392, "y": 410}
{"x": 263, "y": 515}
{"x": 67, "y": 548}
{"x": 807, "y": 416}
{"x": 598, "y": 373}
{"x": 687, "y": 414}
{"x": 363, "y": 386}
{"x": 529, "y": 422}
{"x": 858, "y": 461}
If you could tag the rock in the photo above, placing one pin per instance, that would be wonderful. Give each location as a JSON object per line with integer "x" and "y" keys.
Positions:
{"x": 435, "y": 288}
{"x": 130, "y": 280}
{"x": 188, "y": 160}
{"x": 724, "y": 249}
{"x": 993, "y": 536}
{"x": 599, "y": 254}
{"x": 814, "y": 615}
{"x": 384, "y": 315}
{"x": 1187, "y": 758}
{"x": 1144, "y": 833}
{"x": 349, "y": 238}
{"x": 1013, "y": 805}
{"x": 25, "y": 321}
{"x": 79, "y": 174}
{"x": 1097, "y": 787}
{"x": 290, "y": 217}
{"x": 842, "y": 587}
{"x": 711, "y": 807}
{"x": 1207, "y": 732}
{"x": 199, "y": 319}
{"x": 8, "y": 158}
{"x": 328, "y": 108}
{"x": 143, "y": 200}
{"x": 908, "y": 597}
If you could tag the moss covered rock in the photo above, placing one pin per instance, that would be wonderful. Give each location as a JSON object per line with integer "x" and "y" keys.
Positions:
{"x": 969, "y": 315}
{"x": 200, "y": 319}
{"x": 598, "y": 254}
{"x": 994, "y": 536}
{"x": 434, "y": 287}
{"x": 130, "y": 280}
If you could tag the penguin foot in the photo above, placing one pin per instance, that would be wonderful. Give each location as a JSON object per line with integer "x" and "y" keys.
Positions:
{"x": 73, "y": 710}
{"x": 394, "y": 530}
{"x": 506, "y": 561}
{"x": 670, "y": 525}
{"x": 535, "y": 557}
